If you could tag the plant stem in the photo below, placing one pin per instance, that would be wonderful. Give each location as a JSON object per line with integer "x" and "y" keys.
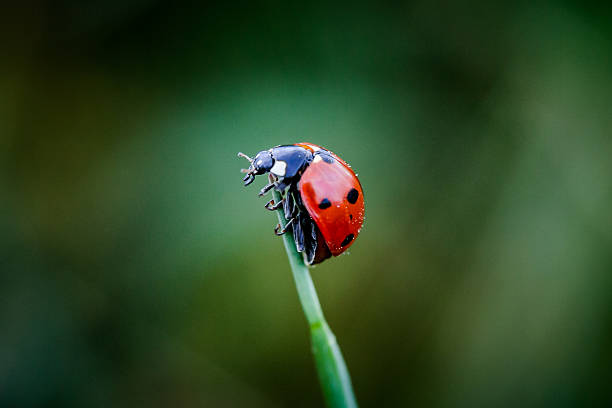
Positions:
{"x": 333, "y": 374}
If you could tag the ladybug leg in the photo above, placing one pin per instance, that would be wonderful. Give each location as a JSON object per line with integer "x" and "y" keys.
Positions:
{"x": 310, "y": 243}
{"x": 278, "y": 231}
{"x": 292, "y": 206}
{"x": 248, "y": 179}
{"x": 291, "y": 210}
{"x": 291, "y": 213}
{"x": 272, "y": 206}
{"x": 266, "y": 188}
{"x": 289, "y": 206}
{"x": 298, "y": 234}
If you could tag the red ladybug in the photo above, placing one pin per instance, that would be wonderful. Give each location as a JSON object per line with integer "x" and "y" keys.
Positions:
{"x": 323, "y": 202}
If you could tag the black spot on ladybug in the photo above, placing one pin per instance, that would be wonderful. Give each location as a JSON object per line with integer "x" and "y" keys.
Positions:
{"x": 351, "y": 216}
{"x": 352, "y": 196}
{"x": 347, "y": 240}
{"x": 325, "y": 203}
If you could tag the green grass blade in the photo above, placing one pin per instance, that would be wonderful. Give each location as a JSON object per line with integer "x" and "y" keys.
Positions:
{"x": 333, "y": 374}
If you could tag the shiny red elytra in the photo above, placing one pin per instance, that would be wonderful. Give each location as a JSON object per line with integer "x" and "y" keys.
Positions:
{"x": 322, "y": 197}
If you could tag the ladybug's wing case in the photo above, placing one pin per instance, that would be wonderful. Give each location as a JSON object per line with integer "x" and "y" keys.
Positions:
{"x": 333, "y": 196}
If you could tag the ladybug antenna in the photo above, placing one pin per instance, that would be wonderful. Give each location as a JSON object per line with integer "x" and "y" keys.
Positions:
{"x": 248, "y": 171}
{"x": 240, "y": 154}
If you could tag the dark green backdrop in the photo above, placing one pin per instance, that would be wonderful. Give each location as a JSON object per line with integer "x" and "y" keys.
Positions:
{"x": 135, "y": 270}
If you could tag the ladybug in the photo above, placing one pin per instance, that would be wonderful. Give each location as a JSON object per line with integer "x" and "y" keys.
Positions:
{"x": 322, "y": 197}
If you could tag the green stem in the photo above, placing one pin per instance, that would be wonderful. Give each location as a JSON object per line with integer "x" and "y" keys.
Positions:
{"x": 333, "y": 374}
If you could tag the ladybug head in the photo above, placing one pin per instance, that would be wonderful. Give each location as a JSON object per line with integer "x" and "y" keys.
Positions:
{"x": 261, "y": 164}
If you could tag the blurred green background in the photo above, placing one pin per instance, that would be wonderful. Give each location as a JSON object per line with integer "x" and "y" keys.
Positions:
{"x": 136, "y": 270}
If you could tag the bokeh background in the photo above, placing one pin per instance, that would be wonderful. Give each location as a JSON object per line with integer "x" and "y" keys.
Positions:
{"x": 136, "y": 270}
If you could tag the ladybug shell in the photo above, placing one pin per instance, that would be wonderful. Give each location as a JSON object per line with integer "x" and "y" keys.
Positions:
{"x": 332, "y": 195}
